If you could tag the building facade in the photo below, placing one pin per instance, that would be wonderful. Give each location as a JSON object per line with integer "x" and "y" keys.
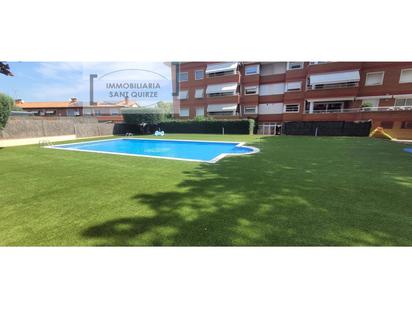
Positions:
{"x": 104, "y": 112}
{"x": 273, "y": 93}
{"x": 55, "y": 108}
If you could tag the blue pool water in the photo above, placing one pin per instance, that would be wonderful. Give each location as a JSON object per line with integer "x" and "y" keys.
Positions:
{"x": 170, "y": 149}
{"x": 408, "y": 149}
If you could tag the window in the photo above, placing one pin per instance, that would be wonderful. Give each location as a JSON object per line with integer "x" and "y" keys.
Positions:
{"x": 251, "y": 90}
{"x": 325, "y": 107}
{"x": 272, "y": 68}
{"x": 252, "y": 69}
{"x": 317, "y": 62}
{"x": 406, "y": 125}
{"x": 221, "y": 90}
{"x": 183, "y": 77}
{"x": 374, "y": 78}
{"x": 403, "y": 102}
{"x": 387, "y": 124}
{"x": 270, "y": 108}
{"x": 250, "y": 110}
{"x": 183, "y": 94}
{"x": 294, "y": 86}
{"x": 406, "y": 76}
{"x": 295, "y": 65}
{"x": 291, "y": 108}
{"x": 200, "y": 111}
{"x": 199, "y": 93}
{"x": 344, "y": 79}
{"x": 184, "y": 112}
{"x": 199, "y": 74}
{"x": 222, "y": 109}
{"x": 271, "y": 89}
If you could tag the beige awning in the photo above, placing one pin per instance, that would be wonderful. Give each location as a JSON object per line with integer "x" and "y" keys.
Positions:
{"x": 222, "y": 88}
{"x": 334, "y": 78}
{"x": 221, "y": 67}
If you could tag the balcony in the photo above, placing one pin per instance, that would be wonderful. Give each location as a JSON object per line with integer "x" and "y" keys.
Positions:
{"x": 361, "y": 110}
{"x": 346, "y": 79}
{"x": 221, "y": 69}
{"x": 332, "y": 86}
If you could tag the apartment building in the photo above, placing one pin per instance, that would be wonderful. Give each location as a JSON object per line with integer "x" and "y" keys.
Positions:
{"x": 273, "y": 93}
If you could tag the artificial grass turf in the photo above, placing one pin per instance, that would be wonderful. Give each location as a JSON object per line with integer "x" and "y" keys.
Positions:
{"x": 296, "y": 191}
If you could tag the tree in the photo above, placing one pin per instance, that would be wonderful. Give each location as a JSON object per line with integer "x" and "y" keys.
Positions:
{"x": 6, "y": 104}
{"x": 166, "y": 107}
{"x": 143, "y": 115}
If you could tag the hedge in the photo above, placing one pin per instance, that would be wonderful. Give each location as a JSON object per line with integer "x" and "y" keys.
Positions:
{"x": 208, "y": 126}
{"x": 137, "y": 116}
{"x": 6, "y": 104}
{"x": 327, "y": 128}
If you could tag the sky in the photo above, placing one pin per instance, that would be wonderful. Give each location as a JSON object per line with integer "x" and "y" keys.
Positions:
{"x": 59, "y": 81}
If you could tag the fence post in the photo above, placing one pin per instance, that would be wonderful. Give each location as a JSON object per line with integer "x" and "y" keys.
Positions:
{"x": 42, "y": 127}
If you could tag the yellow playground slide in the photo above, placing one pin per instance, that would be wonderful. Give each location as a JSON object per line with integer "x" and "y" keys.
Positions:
{"x": 380, "y": 133}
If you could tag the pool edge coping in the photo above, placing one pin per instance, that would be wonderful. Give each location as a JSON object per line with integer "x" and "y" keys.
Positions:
{"x": 214, "y": 160}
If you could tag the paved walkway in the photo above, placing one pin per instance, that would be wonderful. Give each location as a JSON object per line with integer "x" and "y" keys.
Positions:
{"x": 36, "y": 140}
{"x": 404, "y": 141}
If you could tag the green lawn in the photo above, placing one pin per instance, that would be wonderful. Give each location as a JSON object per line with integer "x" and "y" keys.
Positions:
{"x": 296, "y": 191}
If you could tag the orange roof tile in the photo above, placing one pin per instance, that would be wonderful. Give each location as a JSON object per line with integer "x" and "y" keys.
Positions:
{"x": 45, "y": 104}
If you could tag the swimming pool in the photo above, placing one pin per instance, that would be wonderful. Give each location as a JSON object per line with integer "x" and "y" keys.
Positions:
{"x": 189, "y": 150}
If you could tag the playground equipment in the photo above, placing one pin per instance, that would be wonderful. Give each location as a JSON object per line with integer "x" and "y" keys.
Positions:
{"x": 380, "y": 133}
{"x": 159, "y": 133}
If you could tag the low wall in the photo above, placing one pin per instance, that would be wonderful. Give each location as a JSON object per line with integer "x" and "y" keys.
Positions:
{"x": 31, "y": 127}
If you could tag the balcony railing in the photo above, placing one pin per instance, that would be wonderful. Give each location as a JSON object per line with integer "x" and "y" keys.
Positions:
{"x": 224, "y": 73}
{"x": 362, "y": 109}
{"x": 332, "y": 86}
{"x": 221, "y": 94}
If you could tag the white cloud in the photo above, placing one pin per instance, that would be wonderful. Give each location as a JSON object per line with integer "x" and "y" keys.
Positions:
{"x": 62, "y": 80}
{"x": 58, "y": 70}
{"x": 126, "y": 70}
{"x": 129, "y": 70}
{"x": 61, "y": 92}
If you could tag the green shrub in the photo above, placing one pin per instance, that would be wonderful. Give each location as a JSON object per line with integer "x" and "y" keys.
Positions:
{"x": 208, "y": 126}
{"x": 142, "y": 115}
{"x": 6, "y": 104}
{"x": 366, "y": 104}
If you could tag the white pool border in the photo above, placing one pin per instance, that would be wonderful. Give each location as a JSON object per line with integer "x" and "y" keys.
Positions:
{"x": 214, "y": 160}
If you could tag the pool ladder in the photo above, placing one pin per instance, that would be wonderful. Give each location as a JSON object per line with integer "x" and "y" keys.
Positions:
{"x": 45, "y": 142}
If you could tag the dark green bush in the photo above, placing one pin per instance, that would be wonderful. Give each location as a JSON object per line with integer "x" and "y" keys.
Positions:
{"x": 143, "y": 115}
{"x": 208, "y": 126}
{"x": 6, "y": 104}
